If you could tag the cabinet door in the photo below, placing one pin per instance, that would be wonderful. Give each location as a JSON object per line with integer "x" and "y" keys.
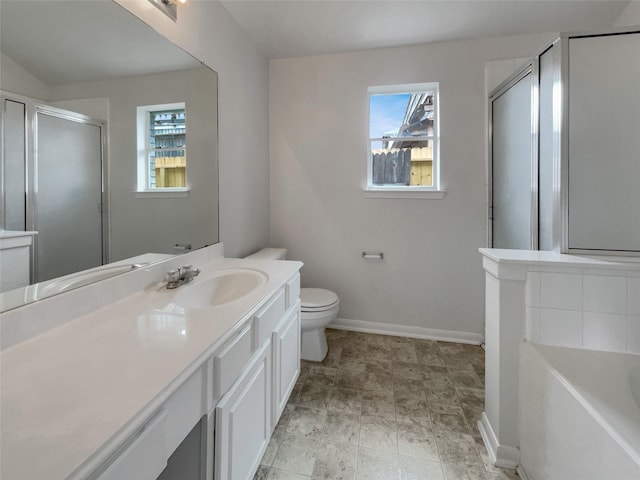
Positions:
{"x": 243, "y": 421}
{"x": 286, "y": 360}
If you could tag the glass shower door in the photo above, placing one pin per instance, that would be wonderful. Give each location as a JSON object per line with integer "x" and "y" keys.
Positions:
{"x": 69, "y": 196}
{"x": 512, "y": 149}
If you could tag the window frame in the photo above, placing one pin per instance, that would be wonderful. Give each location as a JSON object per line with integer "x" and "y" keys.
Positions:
{"x": 434, "y": 191}
{"x": 143, "y": 188}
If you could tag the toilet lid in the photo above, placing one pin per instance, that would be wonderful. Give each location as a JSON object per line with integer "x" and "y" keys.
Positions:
{"x": 317, "y": 298}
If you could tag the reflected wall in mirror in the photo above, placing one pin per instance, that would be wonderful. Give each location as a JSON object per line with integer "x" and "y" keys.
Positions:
{"x": 73, "y": 76}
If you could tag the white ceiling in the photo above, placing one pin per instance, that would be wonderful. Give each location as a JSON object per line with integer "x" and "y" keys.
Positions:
{"x": 293, "y": 28}
{"x": 83, "y": 40}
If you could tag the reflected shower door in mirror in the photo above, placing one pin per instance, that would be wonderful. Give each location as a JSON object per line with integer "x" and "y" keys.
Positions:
{"x": 57, "y": 188}
{"x": 68, "y": 212}
{"x": 89, "y": 66}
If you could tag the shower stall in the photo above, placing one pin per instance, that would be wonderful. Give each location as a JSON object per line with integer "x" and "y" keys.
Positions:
{"x": 564, "y": 176}
{"x": 565, "y": 150}
{"x": 53, "y": 182}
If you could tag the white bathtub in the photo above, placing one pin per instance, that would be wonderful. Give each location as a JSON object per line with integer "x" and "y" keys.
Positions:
{"x": 579, "y": 414}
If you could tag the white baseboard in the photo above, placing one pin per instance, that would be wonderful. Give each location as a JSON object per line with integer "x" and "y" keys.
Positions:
{"x": 500, "y": 455}
{"x": 406, "y": 331}
{"x": 521, "y": 473}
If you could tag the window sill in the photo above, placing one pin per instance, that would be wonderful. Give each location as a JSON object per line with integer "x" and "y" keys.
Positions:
{"x": 416, "y": 193}
{"x": 163, "y": 193}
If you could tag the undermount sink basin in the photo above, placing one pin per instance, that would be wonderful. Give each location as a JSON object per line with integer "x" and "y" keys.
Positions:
{"x": 224, "y": 287}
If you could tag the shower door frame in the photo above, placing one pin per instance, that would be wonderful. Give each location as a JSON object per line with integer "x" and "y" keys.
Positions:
{"x": 3, "y": 153}
{"x": 32, "y": 108}
{"x": 561, "y": 130}
{"x": 560, "y": 142}
{"x": 529, "y": 68}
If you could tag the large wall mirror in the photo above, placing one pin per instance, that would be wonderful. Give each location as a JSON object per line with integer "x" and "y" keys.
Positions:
{"x": 109, "y": 144}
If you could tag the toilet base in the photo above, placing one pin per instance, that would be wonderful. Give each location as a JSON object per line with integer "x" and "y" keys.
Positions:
{"x": 314, "y": 345}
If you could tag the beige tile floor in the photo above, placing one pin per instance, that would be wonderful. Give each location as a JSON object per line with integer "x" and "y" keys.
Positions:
{"x": 384, "y": 408}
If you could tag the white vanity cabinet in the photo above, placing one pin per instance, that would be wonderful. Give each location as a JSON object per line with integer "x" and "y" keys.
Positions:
{"x": 243, "y": 421}
{"x": 286, "y": 360}
{"x": 248, "y": 412}
{"x": 200, "y": 407}
{"x": 286, "y": 341}
{"x": 149, "y": 449}
{"x": 15, "y": 259}
{"x": 171, "y": 392}
{"x": 243, "y": 389}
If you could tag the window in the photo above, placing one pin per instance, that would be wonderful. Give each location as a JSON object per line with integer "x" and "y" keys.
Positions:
{"x": 162, "y": 150}
{"x": 403, "y": 140}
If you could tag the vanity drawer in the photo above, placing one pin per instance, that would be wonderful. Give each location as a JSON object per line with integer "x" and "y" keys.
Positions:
{"x": 269, "y": 316}
{"x": 293, "y": 291}
{"x": 184, "y": 407}
{"x": 146, "y": 457}
{"x": 228, "y": 364}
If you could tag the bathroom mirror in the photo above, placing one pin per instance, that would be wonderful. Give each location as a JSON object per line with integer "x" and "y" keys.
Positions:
{"x": 94, "y": 64}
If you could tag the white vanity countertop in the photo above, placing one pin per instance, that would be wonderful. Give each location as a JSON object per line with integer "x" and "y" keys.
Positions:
{"x": 69, "y": 392}
{"x": 16, "y": 233}
{"x": 12, "y": 239}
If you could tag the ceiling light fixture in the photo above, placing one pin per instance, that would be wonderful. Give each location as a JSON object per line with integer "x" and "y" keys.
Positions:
{"x": 168, "y": 7}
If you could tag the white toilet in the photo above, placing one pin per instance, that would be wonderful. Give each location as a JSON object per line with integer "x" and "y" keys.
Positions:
{"x": 319, "y": 308}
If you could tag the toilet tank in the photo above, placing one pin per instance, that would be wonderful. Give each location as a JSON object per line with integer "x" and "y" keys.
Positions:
{"x": 269, "y": 254}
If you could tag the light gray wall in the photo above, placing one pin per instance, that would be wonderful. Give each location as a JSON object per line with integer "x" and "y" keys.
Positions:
{"x": 432, "y": 274}
{"x": 141, "y": 225}
{"x": 15, "y": 79}
{"x": 630, "y": 16}
{"x": 207, "y": 31}
{"x": 96, "y": 108}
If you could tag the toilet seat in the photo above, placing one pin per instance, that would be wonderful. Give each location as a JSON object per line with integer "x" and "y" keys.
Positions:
{"x": 317, "y": 299}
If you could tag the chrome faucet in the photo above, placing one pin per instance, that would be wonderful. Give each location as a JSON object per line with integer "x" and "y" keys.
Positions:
{"x": 182, "y": 275}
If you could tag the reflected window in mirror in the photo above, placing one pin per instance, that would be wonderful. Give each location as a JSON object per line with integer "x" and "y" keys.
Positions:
{"x": 162, "y": 154}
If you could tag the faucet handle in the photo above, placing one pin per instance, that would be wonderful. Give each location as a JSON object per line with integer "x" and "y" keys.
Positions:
{"x": 190, "y": 270}
{"x": 173, "y": 276}
{"x": 187, "y": 273}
